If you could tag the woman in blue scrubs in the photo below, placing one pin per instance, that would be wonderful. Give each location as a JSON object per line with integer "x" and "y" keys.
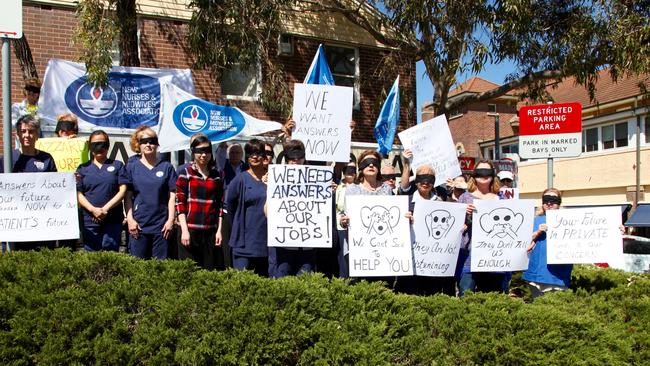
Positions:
{"x": 100, "y": 190}
{"x": 150, "y": 198}
{"x": 245, "y": 201}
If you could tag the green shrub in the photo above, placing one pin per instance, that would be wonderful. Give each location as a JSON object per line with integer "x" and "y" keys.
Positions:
{"x": 59, "y": 307}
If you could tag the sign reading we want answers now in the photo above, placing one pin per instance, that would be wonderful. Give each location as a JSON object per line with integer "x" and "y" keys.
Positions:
{"x": 38, "y": 206}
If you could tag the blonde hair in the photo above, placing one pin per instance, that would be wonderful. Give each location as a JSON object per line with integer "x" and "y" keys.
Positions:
{"x": 495, "y": 185}
{"x": 425, "y": 169}
{"x": 142, "y": 130}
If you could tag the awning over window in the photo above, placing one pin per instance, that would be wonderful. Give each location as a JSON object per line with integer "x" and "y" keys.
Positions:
{"x": 640, "y": 217}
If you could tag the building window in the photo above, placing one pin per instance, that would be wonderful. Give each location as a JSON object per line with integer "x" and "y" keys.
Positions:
{"x": 510, "y": 149}
{"x": 455, "y": 113}
{"x": 614, "y": 135}
{"x": 620, "y": 131}
{"x": 492, "y": 108}
{"x": 590, "y": 140}
{"x": 344, "y": 64}
{"x": 241, "y": 84}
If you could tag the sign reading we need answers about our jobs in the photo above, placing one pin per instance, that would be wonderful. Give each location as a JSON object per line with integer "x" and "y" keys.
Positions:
{"x": 550, "y": 131}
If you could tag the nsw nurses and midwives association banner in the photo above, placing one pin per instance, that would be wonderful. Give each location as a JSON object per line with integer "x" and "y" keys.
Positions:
{"x": 131, "y": 98}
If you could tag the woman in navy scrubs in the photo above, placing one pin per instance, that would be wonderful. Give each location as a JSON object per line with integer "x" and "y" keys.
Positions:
{"x": 245, "y": 200}
{"x": 100, "y": 190}
{"x": 151, "y": 198}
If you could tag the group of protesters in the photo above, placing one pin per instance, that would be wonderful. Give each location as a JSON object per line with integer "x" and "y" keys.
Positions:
{"x": 212, "y": 210}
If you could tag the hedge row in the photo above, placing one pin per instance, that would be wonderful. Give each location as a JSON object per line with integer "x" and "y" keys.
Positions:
{"x": 58, "y": 307}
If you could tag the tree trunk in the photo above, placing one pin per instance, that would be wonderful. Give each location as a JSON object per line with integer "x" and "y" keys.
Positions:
{"x": 128, "y": 33}
{"x": 24, "y": 56}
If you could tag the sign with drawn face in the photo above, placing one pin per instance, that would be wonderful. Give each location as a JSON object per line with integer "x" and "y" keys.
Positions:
{"x": 379, "y": 236}
{"x": 437, "y": 231}
{"x": 584, "y": 235}
{"x": 501, "y": 233}
{"x": 299, "y": 206}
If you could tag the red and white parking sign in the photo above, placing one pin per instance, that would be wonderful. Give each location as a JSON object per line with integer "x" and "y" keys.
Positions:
{"x": 550, "y": 131}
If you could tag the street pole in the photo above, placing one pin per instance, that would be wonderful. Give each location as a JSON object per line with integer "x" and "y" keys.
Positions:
{"x": 6, "y": 105}
{"x": 549, "y": 168}
{"x": 497, "y": 143}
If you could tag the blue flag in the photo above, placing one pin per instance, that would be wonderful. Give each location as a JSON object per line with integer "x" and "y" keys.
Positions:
{"x": 387, "y": 121}
{"x": 319, "y": 72}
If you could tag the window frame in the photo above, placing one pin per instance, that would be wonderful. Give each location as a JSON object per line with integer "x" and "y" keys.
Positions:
{"x": 357, "y": 74}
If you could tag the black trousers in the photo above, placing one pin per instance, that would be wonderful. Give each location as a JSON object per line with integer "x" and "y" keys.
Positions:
{"x": 201, "y": 249}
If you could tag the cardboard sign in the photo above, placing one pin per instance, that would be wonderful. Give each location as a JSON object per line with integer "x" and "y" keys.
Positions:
{"x": 501, "y": 233}
{"x": 432, "y": 145}
{"x": 584, "y": 235}
{"x": 68, "y": 153}
{"x": 322, "y": 114}
{"x": 38, "y": 206}
{"x": 379, "y": 236}
{"x": 437, "y": 232}
{"x": 299, "y": 206}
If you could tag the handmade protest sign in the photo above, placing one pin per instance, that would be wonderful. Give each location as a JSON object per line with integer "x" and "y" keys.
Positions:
{"x": 431, "y": 144}
{"x": 38, "y": 206}
{"x": 501, "y": 232}
{"x": 322, "y": 114}
{"x": 299, "y": 206}
{"x": 584, "y": 235}
{"x": 379, "y": 236}
{"x": 68, "y": 153}
{"x": 437, "y": 231}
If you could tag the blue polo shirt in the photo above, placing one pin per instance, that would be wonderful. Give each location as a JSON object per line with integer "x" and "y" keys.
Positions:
{"x": 151, "y": 188}
{"x": 245, "y": 201}
{"x": 42, "y": 162}
{"x": 538, "y": 268}
{"x": 99, "y": 185}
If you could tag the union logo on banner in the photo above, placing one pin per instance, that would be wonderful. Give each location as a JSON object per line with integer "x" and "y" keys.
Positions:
{"x": 218, "y": 122}
{"x": 96, "y": 102}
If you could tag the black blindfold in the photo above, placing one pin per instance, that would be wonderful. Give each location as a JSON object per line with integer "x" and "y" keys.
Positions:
{"x": 200, "y": 150}
{"x": 32, "y": 89}
{"x": 350, "y": 170}
{"x": 367, "y": 162}
{"x": 484, "y": 173}
{"x": 148, "y": 140}
{"x": 425, "y": 178}
{"x": 549, "y": 199}
{"x": 98, "y": 146}
{"x": 66, "y": 126}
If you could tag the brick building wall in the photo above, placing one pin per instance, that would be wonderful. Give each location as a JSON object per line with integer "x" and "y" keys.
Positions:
{"x": 49, "y": 31}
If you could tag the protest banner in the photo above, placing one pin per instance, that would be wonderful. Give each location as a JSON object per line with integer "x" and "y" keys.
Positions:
{"x": 431, "y": 144}
{"x": 38, "y": 206}
{"x": 379, "y": 236}
{"x": 322, "y": 114}
{"x": 584, "y": 235}
{"x": 130, "y": 99}
{"x": 501, "y": 233}
{"x": 68, "y": 153}
{"x": 299, "y": 206}
{"x": 437, "y": 231}
{"x": 184, "y": 115}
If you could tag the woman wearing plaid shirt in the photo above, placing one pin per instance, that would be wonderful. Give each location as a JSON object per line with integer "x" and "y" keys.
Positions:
{"x": 199, "y": 191}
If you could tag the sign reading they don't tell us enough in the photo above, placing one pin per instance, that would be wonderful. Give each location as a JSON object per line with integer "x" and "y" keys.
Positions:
{"x": 38, "y": 206}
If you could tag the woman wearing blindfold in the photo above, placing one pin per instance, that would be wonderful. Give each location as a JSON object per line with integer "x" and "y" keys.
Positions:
{"x": 245, "y": 201}
{"x": 67, "y": 126}
{"x": 150, "y": 199}
{"x": 482, "y": 185}
{"x": 100, "y": 189}
{"x": 425, "y": 180}
{"x": 199, "y": 191}
{"x": 543, "y": 277}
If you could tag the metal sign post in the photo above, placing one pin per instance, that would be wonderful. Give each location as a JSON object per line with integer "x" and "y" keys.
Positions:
{"x": 11, "y": 26}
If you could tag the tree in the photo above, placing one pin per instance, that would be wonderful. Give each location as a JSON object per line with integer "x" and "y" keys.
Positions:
{"x": 547, "y": 39}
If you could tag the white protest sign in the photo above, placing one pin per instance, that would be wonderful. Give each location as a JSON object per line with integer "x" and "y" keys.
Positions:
{"x": 501, "y": 233}
{"x": 322, "y": 114}
{"x": 431, "y": 144}
{"x": 379, "y": 236}
{"x": 437, "y": 232}
{"x": 584, "y": 235}
{"x": 299, "y": 206}
{"x": 38, "y": 206}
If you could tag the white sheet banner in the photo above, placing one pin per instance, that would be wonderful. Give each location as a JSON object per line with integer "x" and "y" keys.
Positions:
{"x": 584, "y": 235}
{"x": 432, "y": 145}
{"x": 299, "y": 206}
{"x": 38, "y": 206}
{"x": 437, "y": 231}
{"x": 183, "y": 115}
{"x": 131, "y": 98}
{"x": 322, "y": 114}
{"x": 379, "y": 236}
{"x": 501, "y": 233}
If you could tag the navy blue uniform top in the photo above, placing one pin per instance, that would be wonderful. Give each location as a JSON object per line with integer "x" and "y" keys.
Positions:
{"x": 151, "y": 190}
{"x": 39, "y": 163}
{"x": 99, "y": 185}
{"x": 245, "y": 201}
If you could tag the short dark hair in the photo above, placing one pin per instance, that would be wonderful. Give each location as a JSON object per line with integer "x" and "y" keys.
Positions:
{"x": 253, "y": 145}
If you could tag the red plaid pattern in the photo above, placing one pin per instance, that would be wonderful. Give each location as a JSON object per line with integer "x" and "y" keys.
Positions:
{"x": 199, "y": 198}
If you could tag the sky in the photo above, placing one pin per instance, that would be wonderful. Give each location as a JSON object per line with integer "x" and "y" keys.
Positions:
{"x": 424, "y": 88}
